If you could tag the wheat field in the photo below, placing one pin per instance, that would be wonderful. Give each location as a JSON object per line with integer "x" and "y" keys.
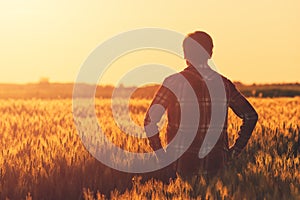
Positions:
{"x": 42, "y": 156}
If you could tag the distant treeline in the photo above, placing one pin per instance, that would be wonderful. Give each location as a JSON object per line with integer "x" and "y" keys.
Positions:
{"x": 270, "y": 90}
{"x": 65, "y": 90}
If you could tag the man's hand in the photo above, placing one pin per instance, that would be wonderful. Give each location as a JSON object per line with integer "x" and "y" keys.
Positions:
{"x": 154, "y": 142}
{"x": 233, "y": 153}
{"x": 160, "y": 155}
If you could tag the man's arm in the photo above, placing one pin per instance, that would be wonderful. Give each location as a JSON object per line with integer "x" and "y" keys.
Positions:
{"x": 157, "y": 108}
{"x": 244, "y": 110}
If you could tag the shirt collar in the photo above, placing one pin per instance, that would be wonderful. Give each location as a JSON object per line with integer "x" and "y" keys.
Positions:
{"x": 205, "y": 72}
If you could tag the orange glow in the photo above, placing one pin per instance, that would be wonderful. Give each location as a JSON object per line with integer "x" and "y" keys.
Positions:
{"x": 255, "y": 41}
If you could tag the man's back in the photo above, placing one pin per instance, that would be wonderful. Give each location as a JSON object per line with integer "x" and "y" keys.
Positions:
{"x": 189, "y": 163}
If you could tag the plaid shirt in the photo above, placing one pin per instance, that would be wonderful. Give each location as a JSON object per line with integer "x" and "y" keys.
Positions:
{"x": 189, "y": 162}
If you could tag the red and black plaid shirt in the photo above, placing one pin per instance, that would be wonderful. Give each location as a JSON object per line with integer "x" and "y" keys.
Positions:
{"x": 189, "y": 162}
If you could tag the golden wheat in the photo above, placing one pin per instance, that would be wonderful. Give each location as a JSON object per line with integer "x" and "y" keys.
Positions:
{"x": 42, "y": 156}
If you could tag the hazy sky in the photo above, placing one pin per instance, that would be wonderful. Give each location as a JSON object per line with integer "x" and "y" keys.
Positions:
{"x": 255, "y": 41}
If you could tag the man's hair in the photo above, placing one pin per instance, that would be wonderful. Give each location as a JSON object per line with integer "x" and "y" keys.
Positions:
{"x": 205, "y": 48}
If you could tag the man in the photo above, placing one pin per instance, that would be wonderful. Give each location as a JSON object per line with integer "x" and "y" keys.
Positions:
{"x": 198, "y": 48}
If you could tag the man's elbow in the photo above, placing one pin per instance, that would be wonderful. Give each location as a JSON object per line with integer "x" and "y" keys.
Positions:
{"x": 146, "y": 126}
{"x": 255, "y": 116}
{"x": 251, "y": 117}
{"x": 149, "y": 127}
{"x": 147, "y": 119}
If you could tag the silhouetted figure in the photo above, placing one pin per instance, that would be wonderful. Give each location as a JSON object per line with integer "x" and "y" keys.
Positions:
{"x": 189, "y": 164}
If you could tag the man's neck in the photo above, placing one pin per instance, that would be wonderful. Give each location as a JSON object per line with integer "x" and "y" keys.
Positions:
{"x": 200, "y": 66}
{"x": 203, "y": 65}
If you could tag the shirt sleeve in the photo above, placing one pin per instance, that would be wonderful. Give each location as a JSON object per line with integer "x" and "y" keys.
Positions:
{"x": 159, "y": 105}
{"x": 244, "y": 110}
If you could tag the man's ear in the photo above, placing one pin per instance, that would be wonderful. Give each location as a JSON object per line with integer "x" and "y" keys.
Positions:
{"x": 211, "y": 54}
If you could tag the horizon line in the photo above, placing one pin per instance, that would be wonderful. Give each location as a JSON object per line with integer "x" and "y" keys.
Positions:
{"x": 130, "y": 85}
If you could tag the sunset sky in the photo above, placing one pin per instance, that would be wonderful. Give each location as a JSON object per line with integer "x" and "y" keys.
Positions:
{"x": 255, "y": 41}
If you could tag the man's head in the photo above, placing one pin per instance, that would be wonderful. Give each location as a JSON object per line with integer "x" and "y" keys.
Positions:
{"x": 197, "y": 47}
